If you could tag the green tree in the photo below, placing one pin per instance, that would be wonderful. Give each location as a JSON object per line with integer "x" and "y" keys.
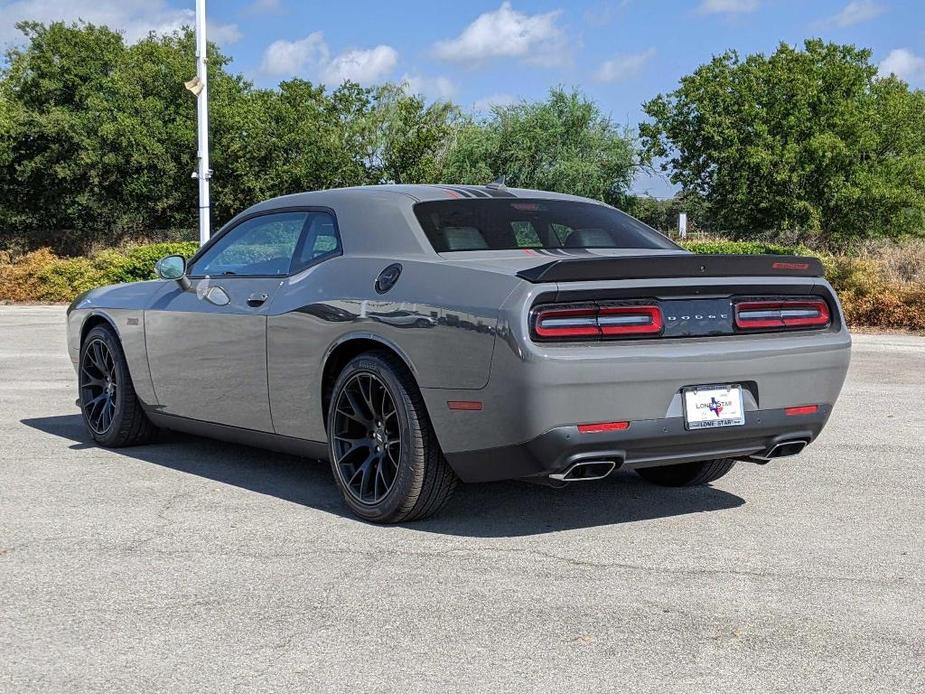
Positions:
{"x": 808, "y": 140}
{"x": 100, "y": 137}
{"x": 413, "y": 137}
{"x": 52, "y": 167}
{"x": 563, "y": 144}
{"x": 663, "y": 214}
{"x": 298, "y": 137}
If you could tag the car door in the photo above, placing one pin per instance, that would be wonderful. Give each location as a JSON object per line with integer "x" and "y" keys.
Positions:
{"x": 207, "y": 345}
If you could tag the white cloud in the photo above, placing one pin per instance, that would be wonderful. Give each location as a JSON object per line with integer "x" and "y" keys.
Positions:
{"x": 292, "y": 57}
{"x": 727, "y": 6}
{"x": 135, "y": 18}
{"x": 904, "y": 64}
{"x": 222, "y": 34}
{"x": 507, "y": 33}
{"x": 855, "y": 13}
{"x": 623, "y": 67}
{"x": 312, "y": 55}
{"x": 438, "y": 88}
{"x": 489, "y": 102}
{"x": 365, "y": 66}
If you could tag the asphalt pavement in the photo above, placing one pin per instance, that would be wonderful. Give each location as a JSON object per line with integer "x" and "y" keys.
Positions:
{"x": 196, "y": 566}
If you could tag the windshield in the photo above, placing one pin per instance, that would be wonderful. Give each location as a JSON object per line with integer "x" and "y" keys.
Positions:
{"x": 502, "y": 224}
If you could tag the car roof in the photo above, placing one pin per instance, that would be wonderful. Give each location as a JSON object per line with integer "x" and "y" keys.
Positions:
{"x": 388, "y": 209}
{"x": 410, "y": 193}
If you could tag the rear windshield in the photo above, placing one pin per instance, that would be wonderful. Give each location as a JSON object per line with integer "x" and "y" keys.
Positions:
{"x": 501, "y": 224}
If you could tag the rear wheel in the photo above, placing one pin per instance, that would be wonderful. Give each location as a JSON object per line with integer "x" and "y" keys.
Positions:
{"x": 687, "y": 474}
{"x": 384, "y": 454}
{"x": 111, "y": 410}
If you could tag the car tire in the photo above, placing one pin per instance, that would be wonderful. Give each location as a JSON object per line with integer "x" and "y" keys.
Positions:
{"x": 384, "y": 454}
{"x": 109, "y": 406}
{"x": 687, "y": 474}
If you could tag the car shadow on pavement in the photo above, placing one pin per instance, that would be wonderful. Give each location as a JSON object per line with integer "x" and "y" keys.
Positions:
{"x": 501, "y": 509}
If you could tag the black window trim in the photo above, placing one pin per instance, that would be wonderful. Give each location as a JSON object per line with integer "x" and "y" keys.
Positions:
{"x": 235, "y": 223}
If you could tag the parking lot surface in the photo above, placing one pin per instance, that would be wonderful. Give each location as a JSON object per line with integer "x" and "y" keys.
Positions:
{"x": 192, "y": 565}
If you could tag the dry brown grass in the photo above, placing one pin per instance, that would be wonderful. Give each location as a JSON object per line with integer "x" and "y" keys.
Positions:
{"x": 900, "y": 262}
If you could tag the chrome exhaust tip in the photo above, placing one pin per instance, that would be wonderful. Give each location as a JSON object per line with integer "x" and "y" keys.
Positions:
{"x": 781, "y": 450}
{"x": 786, "y": 448}
{"x": 585, "y": 471}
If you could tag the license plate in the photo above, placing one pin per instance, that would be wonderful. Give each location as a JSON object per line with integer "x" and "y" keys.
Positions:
{"x": 706, "y": 407}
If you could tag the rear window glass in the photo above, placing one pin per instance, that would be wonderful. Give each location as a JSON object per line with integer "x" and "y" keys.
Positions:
{"x": 502, "y": 224}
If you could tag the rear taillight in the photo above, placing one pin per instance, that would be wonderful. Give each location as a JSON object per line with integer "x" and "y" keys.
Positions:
{"x": 776, "y": 314}
{"x": 591, "y": 322}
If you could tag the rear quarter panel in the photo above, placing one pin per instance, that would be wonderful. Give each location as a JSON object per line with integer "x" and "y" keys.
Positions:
{"x": 442, "y": 320}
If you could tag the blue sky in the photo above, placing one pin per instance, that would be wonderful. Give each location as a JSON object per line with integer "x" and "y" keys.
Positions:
{"x": 619, "y": 52}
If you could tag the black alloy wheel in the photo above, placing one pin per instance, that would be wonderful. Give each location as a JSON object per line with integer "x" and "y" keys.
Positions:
{"x": 111, "y": 410}
{"x": 367, "y": 438}
{"x": 383, "y": 451}
{"x": 99, "y": 385}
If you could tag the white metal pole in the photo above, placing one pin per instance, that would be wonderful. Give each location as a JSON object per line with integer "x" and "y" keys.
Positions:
{"x": 203, "y": 172}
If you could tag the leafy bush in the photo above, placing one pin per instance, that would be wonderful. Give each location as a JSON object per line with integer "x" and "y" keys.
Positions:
{"x": 720, "y": 247}
{"x": 853, "y": 277}
{"x": 43, "y": 276}
{"x": 893, "y": 306}
{"x": 138, "y": 262}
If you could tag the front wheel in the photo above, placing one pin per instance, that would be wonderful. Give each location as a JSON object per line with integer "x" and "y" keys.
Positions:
{"x": 687, "y": 474}
{"x": 111, "y": 410}
{"x": 384, "y": 454}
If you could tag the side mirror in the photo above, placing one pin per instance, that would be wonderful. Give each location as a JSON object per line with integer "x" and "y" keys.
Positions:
{"x": 173, "y": 267}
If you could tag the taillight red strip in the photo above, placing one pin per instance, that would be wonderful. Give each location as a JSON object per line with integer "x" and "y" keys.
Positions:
{"x": 630, "y": 320}
{"x": 603, "y": 426}
{"x": 801, "y": 409}
{"x": 597, "y": 321}
{"x": 782, "y": 313}
{"x": 567, "y": 322}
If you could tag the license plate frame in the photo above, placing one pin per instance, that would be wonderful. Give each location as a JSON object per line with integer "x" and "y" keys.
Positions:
{"x": 696, "y": 405}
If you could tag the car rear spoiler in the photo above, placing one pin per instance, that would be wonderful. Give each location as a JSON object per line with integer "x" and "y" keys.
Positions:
{"x": 681, "y": 265}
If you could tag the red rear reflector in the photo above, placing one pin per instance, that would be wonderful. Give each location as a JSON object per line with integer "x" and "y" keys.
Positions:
{"x": 802, "y": 409}
{"x": 602, "y": 426}
{"x": 597, "y": 321}
{"x": 464, "y": 404}
{"x": 782, "y": 313}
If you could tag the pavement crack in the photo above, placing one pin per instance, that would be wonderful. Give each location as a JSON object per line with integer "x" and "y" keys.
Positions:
{"x": 166, "y": 521}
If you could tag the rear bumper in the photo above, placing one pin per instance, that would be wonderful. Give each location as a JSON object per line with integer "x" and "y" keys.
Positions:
{"x": 523, "y": 422}
{"x": 645, "y": 443}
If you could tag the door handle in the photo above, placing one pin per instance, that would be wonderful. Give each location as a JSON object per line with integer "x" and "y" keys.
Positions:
{"x": 257, "y": 299}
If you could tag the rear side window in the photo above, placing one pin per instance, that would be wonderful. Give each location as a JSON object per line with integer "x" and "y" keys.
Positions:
{"x": 502, "y": 224}
{"x": 319, "y": 241}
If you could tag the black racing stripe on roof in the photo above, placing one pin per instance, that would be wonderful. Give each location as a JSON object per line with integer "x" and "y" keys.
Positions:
{"x": 497, "y": 192}
{"x": 477, "y": 193}
{"x": 459, "y": 191}
{"x": 462, "y": 191}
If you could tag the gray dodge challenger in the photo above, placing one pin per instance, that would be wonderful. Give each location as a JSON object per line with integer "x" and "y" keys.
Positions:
{"x": 417, "y": 335}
